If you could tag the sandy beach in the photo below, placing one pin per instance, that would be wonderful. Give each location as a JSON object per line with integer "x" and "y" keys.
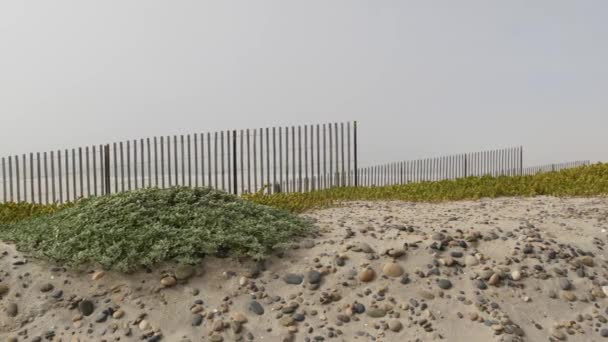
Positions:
{"x": 507, "y": 269}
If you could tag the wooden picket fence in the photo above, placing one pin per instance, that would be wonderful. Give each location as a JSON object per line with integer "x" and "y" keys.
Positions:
{"x": 531, "y": 170}
{"x": 507, "y": 161}
{"x": 272, "y": 159}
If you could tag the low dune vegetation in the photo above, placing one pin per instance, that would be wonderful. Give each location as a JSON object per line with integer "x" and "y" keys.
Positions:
{"x": 140, "y": 228}
{"x": 144, "y": 227}
{"x": 582, "y": 181}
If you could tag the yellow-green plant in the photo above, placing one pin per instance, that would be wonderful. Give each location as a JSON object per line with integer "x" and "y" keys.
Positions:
{"x": 582, "y": 181}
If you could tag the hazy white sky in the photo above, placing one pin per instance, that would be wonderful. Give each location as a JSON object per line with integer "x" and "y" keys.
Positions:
{"x": 423, "y": 78}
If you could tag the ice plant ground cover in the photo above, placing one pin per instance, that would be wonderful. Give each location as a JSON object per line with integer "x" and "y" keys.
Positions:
{"x": 144, "y": 227}
{"x": 582, "y": 181}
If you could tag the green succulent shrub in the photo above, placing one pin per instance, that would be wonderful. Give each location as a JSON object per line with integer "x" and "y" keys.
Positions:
{"x": 140, "y": 228}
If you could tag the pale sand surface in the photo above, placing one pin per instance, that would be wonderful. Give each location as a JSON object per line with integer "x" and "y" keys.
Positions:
{"x": 413, "y": 307}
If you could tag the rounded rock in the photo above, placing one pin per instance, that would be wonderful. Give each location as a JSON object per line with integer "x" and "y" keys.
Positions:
{"x": 444, "y": 284}
{"x": 392, "y": 269}
{"x": 293, "y": 279}
{"x": 168, "y": 281}
{"x": 395, "y": 325}
{"x": 367, "y": 275}
{"x": 86, "y": 307}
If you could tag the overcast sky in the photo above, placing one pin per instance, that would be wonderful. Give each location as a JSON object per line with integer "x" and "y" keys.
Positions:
{"x": 423, "y": 78}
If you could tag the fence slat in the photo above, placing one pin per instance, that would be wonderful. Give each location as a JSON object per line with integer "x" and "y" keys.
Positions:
{"x": 162, "y": 162}
{"x": 88, "y": 171}
{"x": 135, "y": 173}
{"x": 268, "y": 161}
{"x": 18, "y": 178}
{"x": 234, "y": 165}
{"x": 175, "y": 161}
{"x": 10, "y": 177}
{"x": 249, "y": 160}
{"x": 305, "y": 185}
{"x": 94, "y": 170}
{"x": 53, "y": 197}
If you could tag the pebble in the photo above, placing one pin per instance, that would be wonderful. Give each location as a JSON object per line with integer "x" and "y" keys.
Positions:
{"x": 494, "y": 279}
{"x": 516, "y": 275}
{"x": 392, "y": 269}
{"x": 313, "y": 277}
{"x": 604, "y": 332}
{"x": 426, "y": 295}
{"x": 256, "y": 308}
{"x": 367, "y": 275}
{"x": 564, "y": 283}
{"x": 395, "y": 326}
{"x": 293, "y": 279}
{"x": 197, "y": 320}
{"x": 144, "y": 325}
{"x": 168, "y": 281}
{"x": 286, "y": 321}
{"x": 86, "y": 307}
{"x": 46, "y": 287}
{"x": 444, "y": 284}
{"x": 239, "y": 317}
{"x": 376, "y": 313}
{"x": 118, "y": 314}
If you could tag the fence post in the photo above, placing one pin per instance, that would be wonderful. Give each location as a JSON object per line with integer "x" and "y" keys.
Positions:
{"x": 521, "y": 160}
{"x": 355, "y": 153}
{"x": 106, "y": 167}
{"x": 234, "y": 168}
{"x": 465, "y": 166}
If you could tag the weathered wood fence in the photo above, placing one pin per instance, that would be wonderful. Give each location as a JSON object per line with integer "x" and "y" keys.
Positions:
{"x": 531, "y": 170}
{"x": 273, "y": 159}
{"x": 507, "y": 161}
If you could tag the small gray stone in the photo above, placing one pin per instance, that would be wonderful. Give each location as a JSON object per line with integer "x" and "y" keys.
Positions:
{"x": 313, "y": 277}
{"x": 46, "y": 287}
{"x": 256, "y": 308}
{"x": 293, "y": 279}
{"x": 564, "y": 283}
{"x": 101, "y": 318}
{"x": 197, "y": 320}
{"x": 86, "y": 307}
{"x": 444, "y": 284}
{"x": 376, "y": 313}
{"x": 395, "y": 326}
